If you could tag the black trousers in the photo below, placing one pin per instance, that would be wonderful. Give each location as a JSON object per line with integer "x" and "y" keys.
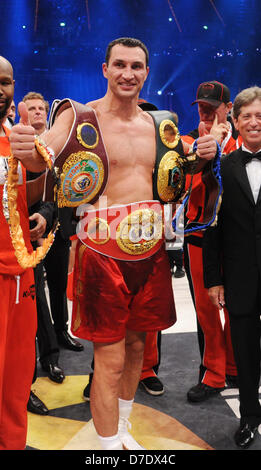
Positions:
{"x": 245, "y": 335}
{"x": 56, "y": 266}
{"x": 200, "y": 334}
{"x": 47, "y": 342}
{"x": 175, "y": 258}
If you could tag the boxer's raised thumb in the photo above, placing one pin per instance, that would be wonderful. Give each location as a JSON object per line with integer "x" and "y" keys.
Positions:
{"x": 201, "y": 129}
{"x": 23, "y": 113}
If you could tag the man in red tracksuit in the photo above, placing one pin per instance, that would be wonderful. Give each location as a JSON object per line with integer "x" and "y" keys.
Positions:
{"x": 17, "y": 301}
{"x": 217, "y": 359}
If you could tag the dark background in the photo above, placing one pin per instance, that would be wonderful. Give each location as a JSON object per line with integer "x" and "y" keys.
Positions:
{"x": 57, "y": 46}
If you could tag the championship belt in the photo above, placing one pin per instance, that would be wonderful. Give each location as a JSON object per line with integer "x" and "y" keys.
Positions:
{"x": 171, "y": 164}
{"x": 81, "y": 168}
{"x": 129, "y": 232}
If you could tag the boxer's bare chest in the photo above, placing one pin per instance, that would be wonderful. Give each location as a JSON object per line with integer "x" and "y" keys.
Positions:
{"x": 129, "y": 142}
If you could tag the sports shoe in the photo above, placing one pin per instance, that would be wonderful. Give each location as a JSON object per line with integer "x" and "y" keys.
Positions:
{"x": 202, "y": 392}
{"x": 128, "y": 442}
{"x": 86, "y": 391}
{"x": 153, "y": 385}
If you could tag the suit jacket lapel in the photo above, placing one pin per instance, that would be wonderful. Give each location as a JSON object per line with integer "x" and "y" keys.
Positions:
{"x": 241, "y": 175}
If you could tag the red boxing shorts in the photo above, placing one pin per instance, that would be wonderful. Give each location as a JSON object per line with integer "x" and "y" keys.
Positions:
{"x": 112, "y": 295}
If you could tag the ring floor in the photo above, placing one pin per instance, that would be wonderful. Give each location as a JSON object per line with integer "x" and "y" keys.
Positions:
{"x": 166, "y": 422}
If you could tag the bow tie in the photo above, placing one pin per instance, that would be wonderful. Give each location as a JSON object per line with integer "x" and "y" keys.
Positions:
{"x": 248, "y": 157}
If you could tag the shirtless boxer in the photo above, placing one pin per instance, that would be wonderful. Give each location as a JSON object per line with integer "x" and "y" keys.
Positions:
{"x": 129, "y": 137}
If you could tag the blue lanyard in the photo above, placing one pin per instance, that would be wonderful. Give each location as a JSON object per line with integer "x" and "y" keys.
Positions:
{"x": 199, "y": 227}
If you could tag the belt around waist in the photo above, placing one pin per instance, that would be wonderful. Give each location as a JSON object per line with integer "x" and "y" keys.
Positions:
{"x": 129, "y": 232}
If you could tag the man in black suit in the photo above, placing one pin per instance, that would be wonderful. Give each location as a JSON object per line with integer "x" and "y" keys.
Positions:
{"x": 232, "y": 257}
{"x": 56, "y": 261}
{"x": 46, "y": 338}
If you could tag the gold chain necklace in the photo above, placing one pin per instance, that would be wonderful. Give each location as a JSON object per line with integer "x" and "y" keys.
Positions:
{"x": 24, "y": 258}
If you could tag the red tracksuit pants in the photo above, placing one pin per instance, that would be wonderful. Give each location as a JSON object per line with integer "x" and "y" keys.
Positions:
{"x": 151, "y": 360}
{"x": 18, "y": 322}
{"x": 215, "y": 341}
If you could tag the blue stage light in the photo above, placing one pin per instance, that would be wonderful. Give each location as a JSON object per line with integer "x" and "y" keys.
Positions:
{"x": 62, "y": 24}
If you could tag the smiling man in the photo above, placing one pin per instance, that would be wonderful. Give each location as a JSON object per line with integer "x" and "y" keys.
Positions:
{"x": 125, "y": 76}
{"x": 232, "y": 257}
{"x": 118, "y": 294}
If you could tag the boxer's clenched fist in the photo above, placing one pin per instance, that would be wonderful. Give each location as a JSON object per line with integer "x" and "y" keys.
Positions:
{"x": 22, "y": 139}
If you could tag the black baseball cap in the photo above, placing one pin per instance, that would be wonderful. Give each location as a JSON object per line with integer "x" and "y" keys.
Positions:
{"x": 212, "y": 92}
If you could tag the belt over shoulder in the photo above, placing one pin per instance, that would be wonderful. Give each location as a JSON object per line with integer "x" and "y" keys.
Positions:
{"x": 82, "y": 165}
{"x": 171, "y": 164}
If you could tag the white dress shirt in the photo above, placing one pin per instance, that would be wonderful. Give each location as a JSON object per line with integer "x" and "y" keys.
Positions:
{"x": 253, "y": 170}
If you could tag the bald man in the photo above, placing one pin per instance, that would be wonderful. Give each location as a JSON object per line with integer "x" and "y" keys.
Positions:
{"x": 17, "y": 300}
